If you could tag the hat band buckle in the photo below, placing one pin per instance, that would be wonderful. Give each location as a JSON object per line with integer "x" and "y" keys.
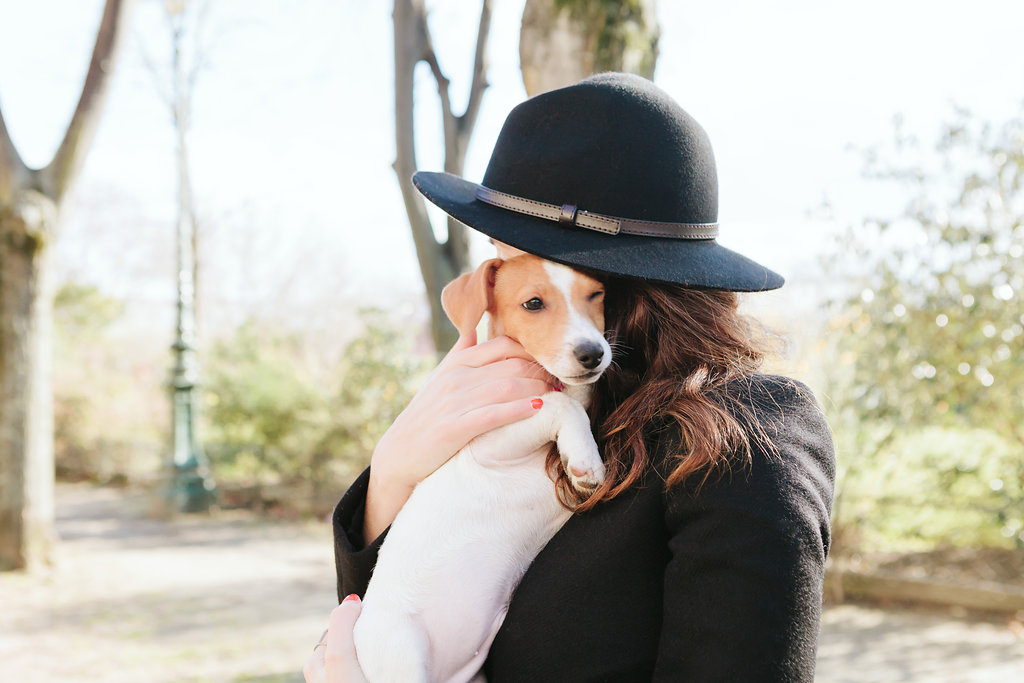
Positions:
{"x": 570, "y": 215}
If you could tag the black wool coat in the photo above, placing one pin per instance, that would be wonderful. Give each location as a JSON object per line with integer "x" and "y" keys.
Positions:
{"x": 720, "y": 583}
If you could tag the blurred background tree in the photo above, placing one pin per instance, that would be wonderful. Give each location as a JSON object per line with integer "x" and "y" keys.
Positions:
{"x": 564, "y": 41}
{"x": 30, "y": 204}
{"x": 927, "y": 380}
{"x": 440, "y": 261}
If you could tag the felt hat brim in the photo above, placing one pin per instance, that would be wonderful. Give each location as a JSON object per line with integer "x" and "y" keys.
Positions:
{"x": 701, "y": 263}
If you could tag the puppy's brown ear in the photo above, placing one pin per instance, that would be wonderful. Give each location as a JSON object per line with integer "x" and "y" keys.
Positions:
{"x": 467, "y": 297}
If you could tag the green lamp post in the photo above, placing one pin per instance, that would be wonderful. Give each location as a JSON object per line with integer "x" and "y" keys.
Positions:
{"x": 191, "y": 487}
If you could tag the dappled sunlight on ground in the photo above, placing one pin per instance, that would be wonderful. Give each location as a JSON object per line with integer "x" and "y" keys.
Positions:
{"x": 218, "y": 598}
{"x": 867, "y": 645}
{"x": 229, "y": 598}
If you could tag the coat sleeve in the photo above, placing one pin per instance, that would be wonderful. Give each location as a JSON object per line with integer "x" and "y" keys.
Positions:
{"x": 743, "y": 586}
{"x": 353, "y": 557}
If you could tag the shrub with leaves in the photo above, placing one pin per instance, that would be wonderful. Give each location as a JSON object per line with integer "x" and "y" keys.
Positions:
{"x": 933, "y": 333}
{"x": 276, "y": 418}
{"x": 109, "y": 421}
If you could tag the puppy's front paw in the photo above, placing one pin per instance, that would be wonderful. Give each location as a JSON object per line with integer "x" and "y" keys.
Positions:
{"x": 586, "y": 474}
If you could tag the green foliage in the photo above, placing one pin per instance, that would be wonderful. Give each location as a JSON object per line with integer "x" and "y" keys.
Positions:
{"x": 275, "y": 418}
{"x": 104, "y": 426}
{"x": 82, "y": 312}
{"x": 258, "y": 400}
{"x": 934, "y": 486}
{"x": 376, "y": 376}
{"x": 932, "y": 334}
{"x": 275, "y": 414}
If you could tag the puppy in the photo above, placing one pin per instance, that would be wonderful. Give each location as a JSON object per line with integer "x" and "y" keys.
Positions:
{"x": 464, "y": 539}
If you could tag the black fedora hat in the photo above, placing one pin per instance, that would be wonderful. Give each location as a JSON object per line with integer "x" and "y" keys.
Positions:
{"x": 611, "y": 175}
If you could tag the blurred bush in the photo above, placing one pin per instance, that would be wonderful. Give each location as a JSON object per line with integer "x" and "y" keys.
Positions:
{"x": 110, "y": 413}
{"x": 932, "y": 487}
{"x": 280, "y": 425}
{"x": 925, "y": 370}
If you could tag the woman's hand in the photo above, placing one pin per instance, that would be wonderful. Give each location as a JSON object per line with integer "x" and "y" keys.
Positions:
{"x": 336, "y": 661}
{"x": 475, "y": 388}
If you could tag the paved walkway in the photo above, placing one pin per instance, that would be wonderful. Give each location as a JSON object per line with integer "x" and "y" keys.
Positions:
{"x": 230, "y": 599}
{"x": 868, "y": 645}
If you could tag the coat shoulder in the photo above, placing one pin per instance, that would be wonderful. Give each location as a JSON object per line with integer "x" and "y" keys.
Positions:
{"x": 785, "y": 429}
{"x": 772, "y": 393}
{"x": 772, "y": 406}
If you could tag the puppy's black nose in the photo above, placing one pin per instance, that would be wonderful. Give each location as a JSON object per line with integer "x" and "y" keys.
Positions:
{"x": 589, "y": 355}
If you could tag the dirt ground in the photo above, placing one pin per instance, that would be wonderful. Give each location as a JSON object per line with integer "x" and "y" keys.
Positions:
{"x": 228, "y": 598}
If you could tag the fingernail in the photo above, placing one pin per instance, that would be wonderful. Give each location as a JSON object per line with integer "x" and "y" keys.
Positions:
{"x": 537, "y": 403}
{"x": 351, "y": 598}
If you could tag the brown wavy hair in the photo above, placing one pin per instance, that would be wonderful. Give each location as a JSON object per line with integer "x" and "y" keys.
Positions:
{"x": 674, "y": 350}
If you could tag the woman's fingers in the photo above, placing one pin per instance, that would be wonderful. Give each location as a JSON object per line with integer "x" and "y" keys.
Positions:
{"x": 464, "y": 341}
{"x": 340, "y": 659}
{"x": 494, "y": 415}
{"x": 501, "y": 390}
{"x": 494, "y": 358}
{"x": 337, "y": 662}
{"x": 475, "y": 389}
{"x": 512, "y": 367}
{"x": 492, "y": 350}
{"x": 460, "y": 380}
{"x": 314, "y": 671}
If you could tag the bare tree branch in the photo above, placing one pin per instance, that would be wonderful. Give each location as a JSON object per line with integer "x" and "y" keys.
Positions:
{"x": 12, "y": 168}
{"x": 468, "y": 119}
{"x": 458, "y": 134}
{"x": 58, "y": 175}
{"x": 439, "y": 262}
{"x": 201, "y": 47}
{"x": 158, "y": 79}
{"x": 448, "y": 120}
{"x": 198, "y": 67}
{"x": 410, "y": 48}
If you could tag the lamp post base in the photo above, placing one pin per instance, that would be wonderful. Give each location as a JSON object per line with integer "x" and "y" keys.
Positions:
{"x": 192, "y": 490}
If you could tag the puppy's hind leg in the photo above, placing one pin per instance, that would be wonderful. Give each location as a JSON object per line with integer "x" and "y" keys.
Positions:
{"x": 392, "y": 648}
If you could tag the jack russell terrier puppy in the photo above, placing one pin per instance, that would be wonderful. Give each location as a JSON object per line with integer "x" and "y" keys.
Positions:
{"x": 458, "y": 548}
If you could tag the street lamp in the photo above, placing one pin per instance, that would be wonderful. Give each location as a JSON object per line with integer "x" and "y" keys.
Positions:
{"x": 191, "y": 487}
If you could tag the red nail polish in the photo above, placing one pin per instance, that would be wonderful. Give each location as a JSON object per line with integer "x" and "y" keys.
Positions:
{"x": 537, "y": 403}
{"x": 351, "y": 598}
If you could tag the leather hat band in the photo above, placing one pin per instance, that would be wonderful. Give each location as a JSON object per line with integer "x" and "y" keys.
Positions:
{"x": 569, "y": 214}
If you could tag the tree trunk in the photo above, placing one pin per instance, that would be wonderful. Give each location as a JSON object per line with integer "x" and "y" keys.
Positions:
{"x": 29, "y": 210}
{"x": 564, "y": 41}
{"x": 434, "y": 268}
{"x": 26, "y": 399}
{"x": 440, "y": 262}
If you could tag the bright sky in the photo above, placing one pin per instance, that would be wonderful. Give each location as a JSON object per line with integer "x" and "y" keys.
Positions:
{"x": 292, "y": 138}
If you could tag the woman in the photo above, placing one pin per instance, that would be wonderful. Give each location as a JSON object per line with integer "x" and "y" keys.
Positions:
{"x": 702, "y": 556}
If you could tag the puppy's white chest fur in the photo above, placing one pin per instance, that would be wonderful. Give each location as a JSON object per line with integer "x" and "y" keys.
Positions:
{"x": 462, "y": 542}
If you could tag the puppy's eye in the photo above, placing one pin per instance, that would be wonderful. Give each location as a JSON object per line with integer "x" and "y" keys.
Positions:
{"x": 596, "y": 295}
{"x": 534, "y": 304}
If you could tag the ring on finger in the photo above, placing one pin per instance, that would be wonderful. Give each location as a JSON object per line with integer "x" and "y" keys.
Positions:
{"x": 322, "y": 643}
